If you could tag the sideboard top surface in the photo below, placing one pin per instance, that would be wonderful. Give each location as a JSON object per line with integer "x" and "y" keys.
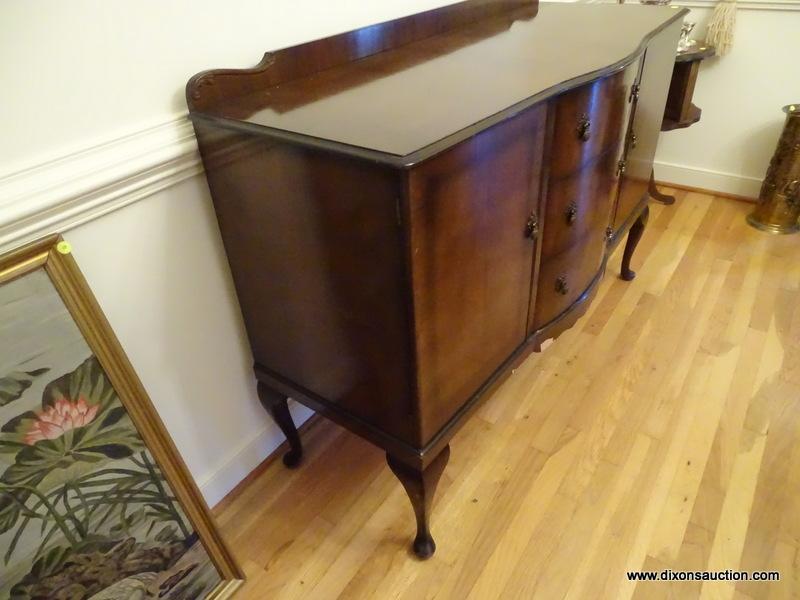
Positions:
{"x": 424, "y": 96}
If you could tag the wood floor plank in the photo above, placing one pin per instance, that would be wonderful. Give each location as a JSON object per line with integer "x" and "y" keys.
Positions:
{"x": 581, "y": 584}
{"x": 732, "y": 526}
{"x": 507, "y": 551}
{"x": 711, "y": 400}
{"x": 661, "y": 432}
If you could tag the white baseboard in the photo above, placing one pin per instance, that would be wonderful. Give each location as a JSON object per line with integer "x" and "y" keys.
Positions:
{"x": 727, "y": 183}
{"x": 242, "y": 460}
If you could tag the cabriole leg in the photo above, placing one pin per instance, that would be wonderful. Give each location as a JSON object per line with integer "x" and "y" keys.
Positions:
{"x": 657, "y": 195}
{"x": 420, "y": 485}
{"x": 634, "y": 235}
{"x": 276, "y": 406}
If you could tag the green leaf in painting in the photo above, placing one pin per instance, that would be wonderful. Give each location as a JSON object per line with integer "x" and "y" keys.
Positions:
{"x": 167, "y": 534}
{"x": 109, "y": 450}
{"x": 42, "y": 457}
{"x": 114, "y": 415}
{"x": 50, "y": 562}
{"x": 44, "y": 442}
{"x": 37, "y": 461}
{"x": 13, "y": 385}
{"x": 95, "y": 437}
{"x": 12, "y": 433}
{"x": 13, "y": 425}
{"x": 10, "y": 509}
{"x": 88, "y": 381}
{"x": 15, "y": 487}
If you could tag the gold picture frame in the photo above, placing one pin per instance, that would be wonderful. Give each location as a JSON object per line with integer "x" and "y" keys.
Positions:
{"x": 53, "y": 255}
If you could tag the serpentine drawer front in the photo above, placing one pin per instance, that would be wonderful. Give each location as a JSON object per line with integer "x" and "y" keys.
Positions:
{"x": 563, "y": 278}
{"x": 587, "y": 123}
{"x": 411, "y": 208}
{"x": 579, "y": 206}
{"x": 574, "y": 237}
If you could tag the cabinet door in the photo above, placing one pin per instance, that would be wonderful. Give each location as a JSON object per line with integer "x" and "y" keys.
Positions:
{"x": 471, "y": 260}
{"x": 648, "y": 114}
{"x": 625, "y": 197}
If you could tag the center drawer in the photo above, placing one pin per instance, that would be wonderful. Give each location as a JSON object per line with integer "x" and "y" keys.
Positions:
{"x": 578, "y": 207}
{"x": 562, "y": 280}
{"x": 587, "y": 123}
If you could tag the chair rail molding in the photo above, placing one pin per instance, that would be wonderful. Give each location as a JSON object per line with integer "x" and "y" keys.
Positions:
{"x": 80, "y": 186}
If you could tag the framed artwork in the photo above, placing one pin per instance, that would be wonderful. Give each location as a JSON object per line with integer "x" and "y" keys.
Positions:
{"x": 95, "y": 501}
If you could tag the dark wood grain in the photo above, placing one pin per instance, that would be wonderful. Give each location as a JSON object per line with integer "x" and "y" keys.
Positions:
{"x": 646, "y": 124}
{"x": 471, "y": 260}
{"x": 681, "y": 89}
{"x": 410, "y": 209}
{"x": 600, "y": 105}
{"x": 634, "y": 235}
{"x": 581, "y": 189}
{"x": 579, "y": 206}
{"x": 656, "y": 194}
{"x": 564, "y": 277}
{"x": 359, "y": 106}
{"x": 277, "y": 407}
{"x": 680, "y": 112}
{"x": 213, "y": 90}
{"x": 420, "y": 485}
{"x": 318, "y": 265}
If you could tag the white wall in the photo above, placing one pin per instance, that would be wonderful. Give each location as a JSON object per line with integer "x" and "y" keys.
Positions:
{"x": 80, "y": 71}
{"x": 93, "y": 142}
{"x": 159, "y": 272}
{"x": 85, "y": 87}
{"x": 741, "y": 95}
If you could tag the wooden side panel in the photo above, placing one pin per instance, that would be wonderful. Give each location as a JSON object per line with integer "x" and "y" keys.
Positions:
{"x": 471, "y": 260}
{"x": 316, "y": 253}
{"x": 647, "y": 116}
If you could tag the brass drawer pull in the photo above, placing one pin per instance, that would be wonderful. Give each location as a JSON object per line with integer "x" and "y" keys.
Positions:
{"x": 584, "y": 128}
{"x": 561, "y": 285}
{"x": 572, "y": 213}
{"x": 532, "y": 226}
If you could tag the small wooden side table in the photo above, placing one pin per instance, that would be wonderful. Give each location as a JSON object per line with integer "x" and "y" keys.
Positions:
{"x": 680, "y": 112}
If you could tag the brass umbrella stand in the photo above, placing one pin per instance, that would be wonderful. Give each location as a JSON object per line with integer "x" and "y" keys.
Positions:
{"x": 778, "y": 209}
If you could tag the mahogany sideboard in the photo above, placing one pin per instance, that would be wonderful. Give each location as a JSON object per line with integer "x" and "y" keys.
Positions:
{"x": 410, "y": 208}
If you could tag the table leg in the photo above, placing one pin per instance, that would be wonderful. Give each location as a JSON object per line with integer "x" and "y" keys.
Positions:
{"x": 652, "y": 190}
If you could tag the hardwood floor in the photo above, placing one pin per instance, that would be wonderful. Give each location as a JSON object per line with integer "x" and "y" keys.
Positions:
{"x": 661, "y": 432}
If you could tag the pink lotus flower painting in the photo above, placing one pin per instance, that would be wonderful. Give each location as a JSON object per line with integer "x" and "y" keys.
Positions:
{"x": 59, "y": 418}
{"x": 85, "y": 509}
